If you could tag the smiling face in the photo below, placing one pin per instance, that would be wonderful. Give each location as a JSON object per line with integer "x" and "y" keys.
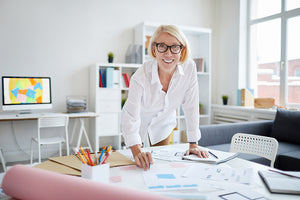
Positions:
{"x": 167, "y": 61}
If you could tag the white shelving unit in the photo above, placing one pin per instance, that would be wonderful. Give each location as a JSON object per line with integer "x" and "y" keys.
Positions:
{"x": 106, "y": 102}
{"x": 200, "y": 43}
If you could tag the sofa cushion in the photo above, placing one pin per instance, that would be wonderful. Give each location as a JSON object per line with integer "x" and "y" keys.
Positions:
{"x": 286, "y": 147}
{"x": 222, "y": 133}
{"x": 288, "y": 161}
{"x": 286, "y": 126}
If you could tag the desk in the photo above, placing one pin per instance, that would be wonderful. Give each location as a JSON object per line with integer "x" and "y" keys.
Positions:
{"x": 134, "y": 178}
{"x": 79, "y": 117}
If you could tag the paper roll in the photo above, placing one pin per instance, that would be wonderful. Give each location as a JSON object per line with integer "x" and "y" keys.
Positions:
{"x": 23, "y": 182}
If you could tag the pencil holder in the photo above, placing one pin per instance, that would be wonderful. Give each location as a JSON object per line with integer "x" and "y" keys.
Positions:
{"x": 99, "y": 173}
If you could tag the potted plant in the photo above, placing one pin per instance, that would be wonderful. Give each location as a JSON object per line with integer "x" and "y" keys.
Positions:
{"x": 110, "y": 57}
{"x": 200, "y": 108}
{"x": 123, "y": 100}
{"x": 225, "y": 99}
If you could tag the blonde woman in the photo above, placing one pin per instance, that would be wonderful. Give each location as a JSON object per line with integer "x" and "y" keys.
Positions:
{"x": 156, "y": 90}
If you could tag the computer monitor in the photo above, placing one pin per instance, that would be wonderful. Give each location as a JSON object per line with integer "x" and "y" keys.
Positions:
{"x": 23, "y": 94}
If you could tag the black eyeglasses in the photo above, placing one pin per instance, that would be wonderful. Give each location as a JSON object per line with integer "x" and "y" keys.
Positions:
{"x": 162, "y": 48}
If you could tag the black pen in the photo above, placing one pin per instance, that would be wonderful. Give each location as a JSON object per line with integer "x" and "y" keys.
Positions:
{"x": 213, "y": 155}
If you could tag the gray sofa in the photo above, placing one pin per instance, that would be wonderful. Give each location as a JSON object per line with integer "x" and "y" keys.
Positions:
{"x": 284, "y": 128}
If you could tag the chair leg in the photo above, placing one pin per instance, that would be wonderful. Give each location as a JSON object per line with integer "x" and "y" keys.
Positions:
{"x": 67, "y": 144}
{"x": 2, "y": 160}
{"x": 40, "y": 157}
{"x": 31, "y": 151}
{"x": 60, "y": 149}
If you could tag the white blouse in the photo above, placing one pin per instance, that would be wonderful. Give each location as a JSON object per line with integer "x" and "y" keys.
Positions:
{"x": 150, "y": 110}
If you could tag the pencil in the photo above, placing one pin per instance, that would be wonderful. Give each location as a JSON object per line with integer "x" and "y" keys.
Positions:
{"x": 89, "y": 156}
{"x": 100, "y": 156}
{"x": 108, "y": 149}
{"x": 82, "y": 151}
{"x": 149, "y": 162}
{"x": 81, "y": 158}
{"x": 96, "y": 158}
{"x": 103, "y": 162}
{"x": 79, "y": 155}
{"x": 213, "y": 154}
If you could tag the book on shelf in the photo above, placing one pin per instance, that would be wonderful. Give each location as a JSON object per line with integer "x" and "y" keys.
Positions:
{"x": 199, "y": 64}
{"x": 109, "y": 77}
{"x": 278, "y": 181}
{"x": 100, "y": 78}
{"x": 126, "y": 79}
{"x": 123, "y": 84}
{"x": 116, "y": 79}
{"x": 238, "y": 97}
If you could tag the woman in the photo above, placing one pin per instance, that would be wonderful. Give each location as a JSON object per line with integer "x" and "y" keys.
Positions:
{"x": 156, "y": 90}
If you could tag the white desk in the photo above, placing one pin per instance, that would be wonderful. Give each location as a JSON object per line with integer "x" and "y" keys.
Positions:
{"x": 133, "y": 178}
{"x": 79, "y": 117}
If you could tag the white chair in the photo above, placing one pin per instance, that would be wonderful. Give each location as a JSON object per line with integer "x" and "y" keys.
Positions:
{"x": 47, "y": 122}
{"x": 2, "y": 160}
{"x": 255, "y": 144}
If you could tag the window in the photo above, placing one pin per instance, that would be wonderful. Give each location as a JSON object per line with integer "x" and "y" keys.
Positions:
{"x": 274, "y": 50}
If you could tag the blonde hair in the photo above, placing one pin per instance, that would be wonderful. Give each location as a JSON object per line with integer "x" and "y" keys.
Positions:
{"x": 175, "y": 32}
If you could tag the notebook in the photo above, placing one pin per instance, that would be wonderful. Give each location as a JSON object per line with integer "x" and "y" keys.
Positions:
{"x": 281, "y": 181}
{"x": 215, "y": 156}
{"x": 177, "y": 154}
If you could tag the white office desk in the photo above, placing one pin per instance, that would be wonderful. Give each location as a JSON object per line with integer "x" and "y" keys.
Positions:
{"x": 79, "y": 117}
{"x": 132, "y": 177}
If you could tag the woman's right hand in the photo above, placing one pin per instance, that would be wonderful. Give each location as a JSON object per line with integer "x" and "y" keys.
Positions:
{"x": 142, "y": 159}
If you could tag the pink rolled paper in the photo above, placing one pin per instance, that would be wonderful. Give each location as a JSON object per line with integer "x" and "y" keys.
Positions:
{"x": 23, "y": 182}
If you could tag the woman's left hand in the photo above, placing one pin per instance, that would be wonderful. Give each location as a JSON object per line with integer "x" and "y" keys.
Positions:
{"x": 195, "y": 149}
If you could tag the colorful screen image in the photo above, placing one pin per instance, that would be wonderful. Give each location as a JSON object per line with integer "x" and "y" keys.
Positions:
{"x": 26, "y": 90}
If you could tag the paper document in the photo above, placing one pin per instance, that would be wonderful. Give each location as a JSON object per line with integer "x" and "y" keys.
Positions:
{"x": 219, "y": 173}
{"x": 280, "y": 183}
{"x": 169, "y": 154}
{"x": 167, "y": 179}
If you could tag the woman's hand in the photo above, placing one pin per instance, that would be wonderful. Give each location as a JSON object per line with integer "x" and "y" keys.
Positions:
{"x": 195, "y": 149}
{"x": 142, "y": 159}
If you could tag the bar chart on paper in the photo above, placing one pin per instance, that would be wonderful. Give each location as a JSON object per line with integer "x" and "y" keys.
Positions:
{"x": 168, "y": 179}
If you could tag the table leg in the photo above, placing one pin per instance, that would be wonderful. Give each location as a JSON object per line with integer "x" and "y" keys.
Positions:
{"x": 73, "y": 131}
{"x": 83, "y": 131}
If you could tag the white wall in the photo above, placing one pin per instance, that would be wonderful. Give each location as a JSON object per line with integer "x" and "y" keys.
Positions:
{"x": 61, "y": 38}
{"x": 228, "y": 66}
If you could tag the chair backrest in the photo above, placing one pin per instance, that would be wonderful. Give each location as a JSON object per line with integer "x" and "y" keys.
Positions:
{"x": 53, "y": 121}
{"x": 255, "y": 144}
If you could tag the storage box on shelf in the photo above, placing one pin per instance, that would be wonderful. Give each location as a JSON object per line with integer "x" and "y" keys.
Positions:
{"x": 106, "y": 94}
{"x": 200, "y": 42}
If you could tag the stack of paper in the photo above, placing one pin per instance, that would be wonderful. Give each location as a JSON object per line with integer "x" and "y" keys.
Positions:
{"x": 76, "y": 104}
